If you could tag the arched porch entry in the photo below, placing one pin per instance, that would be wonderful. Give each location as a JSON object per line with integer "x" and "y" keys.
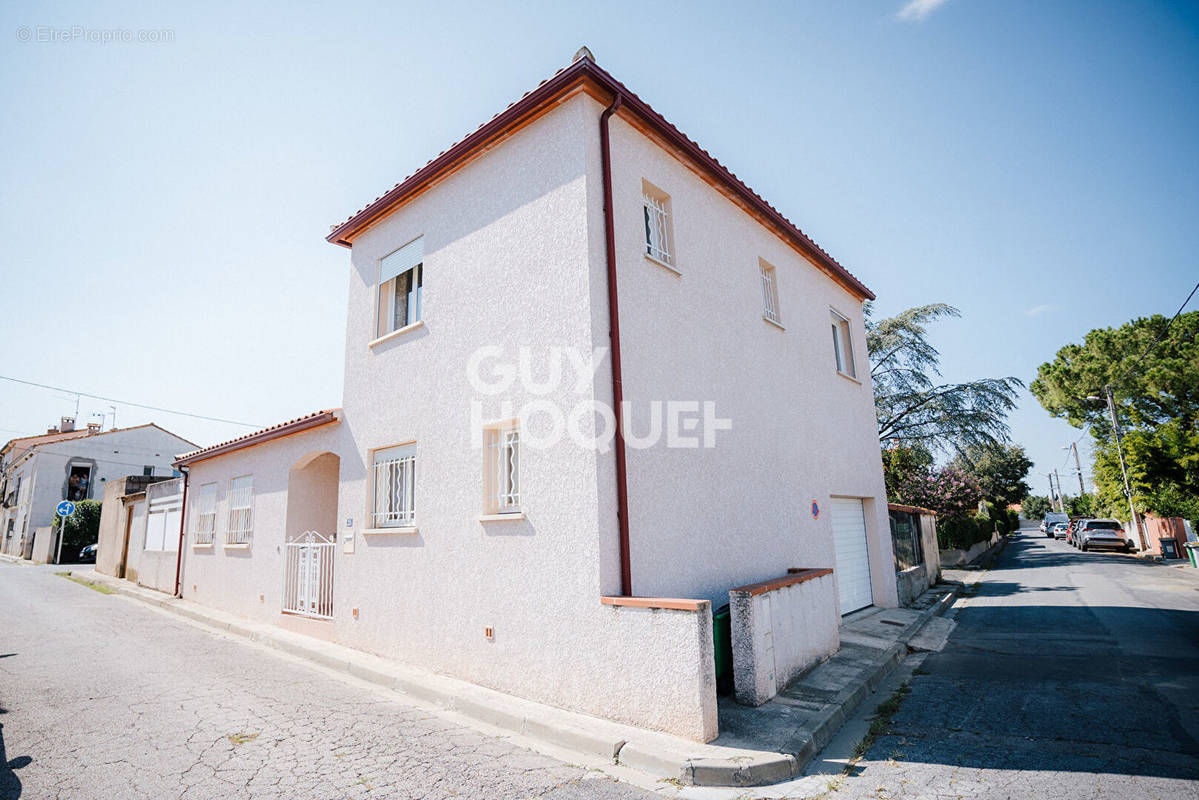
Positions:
{"x": 310, "y": 535}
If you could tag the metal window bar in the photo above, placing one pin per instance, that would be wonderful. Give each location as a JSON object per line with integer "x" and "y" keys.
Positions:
{"x": 205, "y": 526}
{"x": 395, "y": 488}
{"x": 657, "y": 241}
{"x": 770, "y": 296}
{"x": 241, "y": 514}
{"x": 505, "y": 471}
{"x": 308, "y": 576}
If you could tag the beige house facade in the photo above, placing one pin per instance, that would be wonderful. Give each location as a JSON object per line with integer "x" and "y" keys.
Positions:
{"x": 474, "y": 508}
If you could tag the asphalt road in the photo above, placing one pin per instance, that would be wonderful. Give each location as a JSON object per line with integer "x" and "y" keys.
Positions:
{"x": 1069, "y": 675}
{"x": 103, "y": 698}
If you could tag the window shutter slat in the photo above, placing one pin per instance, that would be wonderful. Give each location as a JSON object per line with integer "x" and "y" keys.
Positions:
{"x": 402, "y": 260}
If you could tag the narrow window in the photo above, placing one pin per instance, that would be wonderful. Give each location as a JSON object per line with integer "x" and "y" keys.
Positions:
{"x": 395, "y": 487}
{"x": 401, "y": 279}
{"x": 241, "y": 511}
{"x": 502, "y": 469}
{"x": 659, "y": 232}
{"x": 148, "y": 471}
{"x": 843, "y": 345}
{"x": 204, "y": 525}
{"x": 770, "y": 293}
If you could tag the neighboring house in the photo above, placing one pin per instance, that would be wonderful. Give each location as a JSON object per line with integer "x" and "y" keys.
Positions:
{"x": 436, "y": 519}
{"x": 37, "y": 472}
{"x": 139, "y": 532}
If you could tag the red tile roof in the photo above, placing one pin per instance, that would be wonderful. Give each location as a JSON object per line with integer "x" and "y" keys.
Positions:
{"x": 306, "y": 422}
{"x": 546, "y": 93}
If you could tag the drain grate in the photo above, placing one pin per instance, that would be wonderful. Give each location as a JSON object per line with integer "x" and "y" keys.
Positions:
{"x": 892, "y": 622}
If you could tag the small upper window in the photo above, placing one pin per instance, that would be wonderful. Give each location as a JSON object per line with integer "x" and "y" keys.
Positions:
{"x": 502, "y": 469}
{"x": 659, "y": 231}
{"x": 241, "y": 510}
{"x": 843, "y": 345}
{"x": 395, "y": 487}
{"x": 401, "y": 276}
{"x": 770, "y": 293}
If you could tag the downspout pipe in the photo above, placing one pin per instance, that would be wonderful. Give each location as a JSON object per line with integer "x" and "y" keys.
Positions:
{"x": 622, "y": 488}
{"x": 182, "y": 527}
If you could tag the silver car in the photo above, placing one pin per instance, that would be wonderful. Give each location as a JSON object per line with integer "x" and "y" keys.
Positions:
{"x": 1097, "y": 533}
{"x": 1059, "y": 529}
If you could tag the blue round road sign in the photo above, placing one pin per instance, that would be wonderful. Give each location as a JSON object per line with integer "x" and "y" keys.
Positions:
{"x": 65, "y": 509}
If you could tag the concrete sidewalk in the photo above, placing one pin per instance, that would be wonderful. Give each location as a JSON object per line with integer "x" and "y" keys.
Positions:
{"x": 757, "y": 746}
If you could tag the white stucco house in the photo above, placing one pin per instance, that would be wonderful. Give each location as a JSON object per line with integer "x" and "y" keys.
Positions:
{"x": 477, "y": 508}
{"x": 66, "y": 463}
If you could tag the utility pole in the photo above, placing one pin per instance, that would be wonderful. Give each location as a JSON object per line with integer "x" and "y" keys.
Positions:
{"x": 1061, "y": 500}
{"x": 1111, "y": 407}
{"x": 1077, "y": 466}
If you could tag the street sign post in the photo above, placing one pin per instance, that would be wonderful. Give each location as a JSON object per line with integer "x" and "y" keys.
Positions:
{"x": 64, "y": 509}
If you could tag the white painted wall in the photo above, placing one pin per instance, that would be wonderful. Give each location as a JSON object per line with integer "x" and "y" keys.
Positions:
{"x": 704, "y": 521}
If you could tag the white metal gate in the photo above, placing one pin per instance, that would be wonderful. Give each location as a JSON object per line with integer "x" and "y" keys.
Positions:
{"x": 308, "y": 576}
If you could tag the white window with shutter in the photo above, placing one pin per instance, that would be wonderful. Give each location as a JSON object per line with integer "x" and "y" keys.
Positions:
{"x": 204, "y": 521}
{"x": 502, "y": 469}
{"x": 401, "y": 278}
{"x": 241, "y": 511}
{"x": 395, "y": 487}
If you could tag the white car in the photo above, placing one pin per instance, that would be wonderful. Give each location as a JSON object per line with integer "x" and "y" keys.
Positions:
{"x": 1094, "y": 533}
{"x": 1050, "y": 519}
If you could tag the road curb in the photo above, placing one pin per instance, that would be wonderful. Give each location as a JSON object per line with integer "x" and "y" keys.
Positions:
{"x": 656, "y": 754}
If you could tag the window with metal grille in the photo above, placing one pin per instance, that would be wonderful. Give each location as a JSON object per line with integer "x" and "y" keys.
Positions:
{"x": 241, "y": 510}
{"x": 659, "y": 235}
{"x": 770, "y": 293}
{"x": 843, "y": 345}
{"x": 503, "y": 469}
{"x": 204, "y": 524}
{"x": 401, "y": 279}
{"x": 395, "y": 487}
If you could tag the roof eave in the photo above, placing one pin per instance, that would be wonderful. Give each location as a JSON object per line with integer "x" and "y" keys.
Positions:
{"x": 548, "y": 92}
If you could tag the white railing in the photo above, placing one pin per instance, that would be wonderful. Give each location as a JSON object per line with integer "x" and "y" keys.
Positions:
{"x": 770, "y": 296}
{"x": 657, "y": 241}
{"x": 308, "y": 576}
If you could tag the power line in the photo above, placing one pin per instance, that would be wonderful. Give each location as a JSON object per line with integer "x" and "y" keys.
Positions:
{"x": 134, "y": 405}
{"x": 1159, "y": 338}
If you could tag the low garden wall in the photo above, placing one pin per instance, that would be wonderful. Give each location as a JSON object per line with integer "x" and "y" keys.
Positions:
{"x": 781, "y": 627}
{"x": 958, "y": 558}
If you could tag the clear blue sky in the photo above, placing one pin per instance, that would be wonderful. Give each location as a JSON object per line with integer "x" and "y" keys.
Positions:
{"x": 164, "y": 205}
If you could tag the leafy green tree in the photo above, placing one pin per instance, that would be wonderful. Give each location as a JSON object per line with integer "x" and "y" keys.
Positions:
{"x": 913, "y": 406}
{"x": 81, "y": 529}
{"x": 902, "y": 464}
{"x": 1152, "y": 367}
{"x": 999, "y": 469}
{"x": 1085, "y": 505}
{"x": 1036, "y": 506}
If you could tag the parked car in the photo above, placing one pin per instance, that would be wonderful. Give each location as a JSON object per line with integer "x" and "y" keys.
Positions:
{"x": 1050, "y": 519}
{"x": 1072, "y": 531}
{"x": 1058, "y": 531}
{"x": 1102, "y": 533}
{"x": 88, "y": 554}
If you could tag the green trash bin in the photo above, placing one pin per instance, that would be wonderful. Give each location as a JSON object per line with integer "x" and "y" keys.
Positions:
{"x": 722, "y": 638}
{"x": 1193, "y": 553}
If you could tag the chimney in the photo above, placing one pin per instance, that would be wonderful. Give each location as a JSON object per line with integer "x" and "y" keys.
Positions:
{"x": 93, "y": 427}
{"x": 66, "y": 425}
{"x": 51, "y": 430}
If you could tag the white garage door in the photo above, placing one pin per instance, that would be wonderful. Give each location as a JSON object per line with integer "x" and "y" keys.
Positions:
{"x": 853, "y": 559}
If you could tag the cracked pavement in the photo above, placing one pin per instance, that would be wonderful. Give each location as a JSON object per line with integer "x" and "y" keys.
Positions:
{"x": 103, "y": 698}
{"x": 1069, "y": 675}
